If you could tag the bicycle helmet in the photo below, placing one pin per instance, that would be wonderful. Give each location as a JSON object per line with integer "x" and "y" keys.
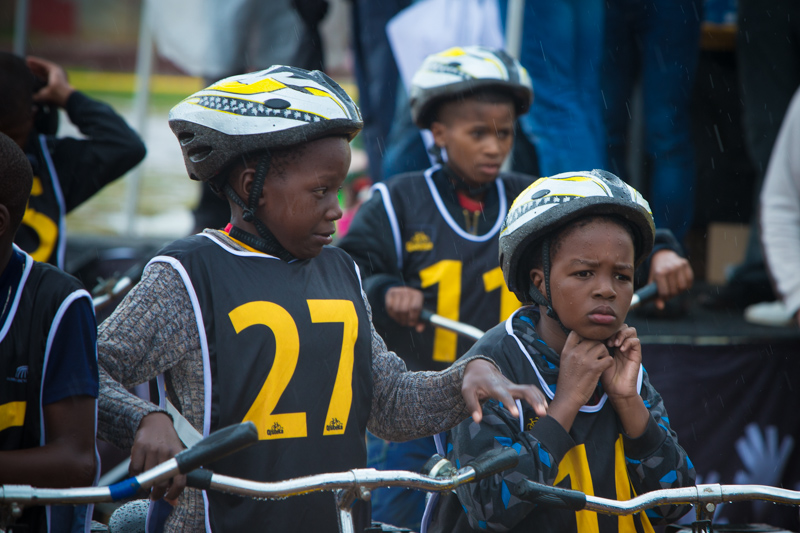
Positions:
{"x": 462, "y": 70}
{"x": 252, "y": 113}
{"x": 274, "y": 108}
{"x": 550, "y": 204}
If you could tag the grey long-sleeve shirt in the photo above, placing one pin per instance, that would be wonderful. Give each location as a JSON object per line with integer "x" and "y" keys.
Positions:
{"x": 154, "y": 331}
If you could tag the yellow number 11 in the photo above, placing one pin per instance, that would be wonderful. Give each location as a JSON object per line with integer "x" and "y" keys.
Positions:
{"x": 447, "y": 274}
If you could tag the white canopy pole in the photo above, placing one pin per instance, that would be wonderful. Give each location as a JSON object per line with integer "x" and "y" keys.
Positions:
{"x": 514, "y": 27}
{"x": 144, "y": 67}
{"x": 21, "y": 28}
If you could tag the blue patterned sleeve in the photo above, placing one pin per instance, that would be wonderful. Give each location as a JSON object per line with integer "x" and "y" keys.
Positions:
{"x": 489, "y": 504}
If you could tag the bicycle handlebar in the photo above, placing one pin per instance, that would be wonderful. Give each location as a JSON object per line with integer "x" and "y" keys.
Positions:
{"x": 645, "y": 294}
{"x": 366, "y": 478}
{"x": 696, "y": 495}
{"x": 465, "y": 330}
{"x": 216, "y": 446}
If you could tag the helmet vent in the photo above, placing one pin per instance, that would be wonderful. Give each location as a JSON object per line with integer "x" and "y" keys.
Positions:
{"x": 539, "y": 194}
{"x": 198, "y": 154}
{"x": 277, "y": 103}
{"x": 185, "y": 137}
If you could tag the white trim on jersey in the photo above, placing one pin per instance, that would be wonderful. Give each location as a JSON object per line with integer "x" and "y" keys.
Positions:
{"x": 62, "y": 309}
{"x": 392, "y": 215}
{"x": 501, "y": 213}
{"x": 62, "y": 205}
{"x": 201, "y": 331}
{"x": 543, "y": 384}
{"x": 240, "y": 253}
{"x": 15, "y": 305}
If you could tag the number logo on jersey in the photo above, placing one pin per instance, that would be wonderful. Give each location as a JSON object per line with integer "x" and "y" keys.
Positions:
{"x": 287, "y": 351}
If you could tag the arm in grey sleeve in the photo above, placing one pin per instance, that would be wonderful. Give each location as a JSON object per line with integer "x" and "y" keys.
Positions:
{"x": 780, "y": 209}
{"x": 410, "y": 405}
{"x": 151, "y": 331}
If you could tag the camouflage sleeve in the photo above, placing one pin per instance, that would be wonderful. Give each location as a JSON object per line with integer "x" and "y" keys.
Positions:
{"x": 655, "y": 460}
{"x": 488, "y": 503}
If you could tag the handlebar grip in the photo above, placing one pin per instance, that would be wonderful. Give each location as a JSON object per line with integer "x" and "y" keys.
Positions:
{"x": 549, "y": 496}
{"x": 494, "y": 461}
{"x": 199, "y": 478}
{"x": 216, "y": 446}
{"x": 644, "y": 295}
{"x": 425, "y": 315}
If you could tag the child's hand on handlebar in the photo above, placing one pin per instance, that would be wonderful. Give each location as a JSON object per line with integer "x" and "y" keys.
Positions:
{"x": 672, "y": 273}
{"x": 404, "y": 305}
{"x": 482, "y": 380}
{"x": 155, "y": 442}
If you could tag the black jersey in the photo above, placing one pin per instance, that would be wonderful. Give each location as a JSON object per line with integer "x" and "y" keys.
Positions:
{"x": 287, "y": 346}
{"x": 458, "y": 272}
{"x": 594, "y": 457}
{"x": 32, "y": 312}
{"x": 43, "y": 227}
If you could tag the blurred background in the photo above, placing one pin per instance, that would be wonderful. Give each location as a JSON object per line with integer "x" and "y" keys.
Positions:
{"x": 98, "y": 42}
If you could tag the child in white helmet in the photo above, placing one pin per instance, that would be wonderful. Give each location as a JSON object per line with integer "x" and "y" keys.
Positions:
{"x": 263, "y": 321}
{"x": 568, "y": 250}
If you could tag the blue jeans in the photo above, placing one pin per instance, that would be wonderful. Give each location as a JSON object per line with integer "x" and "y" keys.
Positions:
{"x": 376, "y": 74}
{"x": 562, "y": 50}
{"x": 397, "y": 506}
{"x": 658, "y": 42}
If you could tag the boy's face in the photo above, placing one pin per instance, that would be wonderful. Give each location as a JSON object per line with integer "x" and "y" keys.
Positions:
{"x": 302, "y": 205}
{"x": 477, "y": 136}
{"x": 591, "y": 278}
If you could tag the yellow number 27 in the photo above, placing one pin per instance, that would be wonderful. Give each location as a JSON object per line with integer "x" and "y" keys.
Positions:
{"x": 287, "y": 351}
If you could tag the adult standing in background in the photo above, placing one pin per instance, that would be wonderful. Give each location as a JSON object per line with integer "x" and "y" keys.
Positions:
{"x": 562, "y": 50}
{"x": 768, "y": 55}
{"x": 656, "y": 42}
{"x": 780, "y": 219}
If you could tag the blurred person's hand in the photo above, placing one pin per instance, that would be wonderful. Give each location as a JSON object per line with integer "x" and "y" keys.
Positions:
{"x": 671, "y": 273}
{"x": 404, "y": 305}
{"x": 57, "y": 89}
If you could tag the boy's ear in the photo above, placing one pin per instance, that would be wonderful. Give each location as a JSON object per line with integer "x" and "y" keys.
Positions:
{"x": 439, "y": 131}
{"x": 537, "y": 278}
{"x": 242, "y": 182}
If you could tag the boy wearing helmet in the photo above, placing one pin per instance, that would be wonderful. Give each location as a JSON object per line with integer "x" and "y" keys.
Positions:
{"x": 263, "y": 321}
{"x": 568, "y": 250}
{"x": 429, "y": 239}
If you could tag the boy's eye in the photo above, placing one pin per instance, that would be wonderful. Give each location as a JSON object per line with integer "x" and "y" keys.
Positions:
{"x": 583, "y": 273}
{"x": 623, "y": 277}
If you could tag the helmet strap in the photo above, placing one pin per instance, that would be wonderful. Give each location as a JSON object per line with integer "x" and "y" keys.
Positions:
{"x": 265, "y": 241}
{"x": 541, "y": 299}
